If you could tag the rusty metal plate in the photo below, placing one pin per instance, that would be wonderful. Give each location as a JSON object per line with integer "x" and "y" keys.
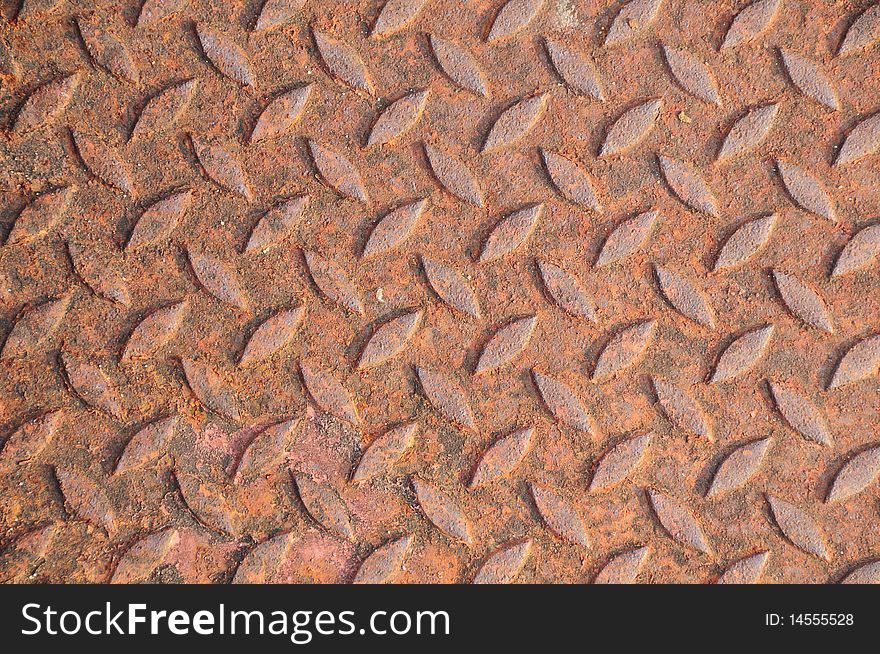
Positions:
{"x": 440, "y": 291}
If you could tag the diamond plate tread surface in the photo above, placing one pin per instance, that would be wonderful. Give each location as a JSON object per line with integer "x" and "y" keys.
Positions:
{"x": 431, "y": 291}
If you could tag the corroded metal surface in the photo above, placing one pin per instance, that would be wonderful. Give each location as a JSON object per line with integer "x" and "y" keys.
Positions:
{"x": 440, "y": 291}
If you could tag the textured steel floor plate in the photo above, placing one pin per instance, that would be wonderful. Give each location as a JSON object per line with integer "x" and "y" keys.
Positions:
{"x": 440, "y": 291}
